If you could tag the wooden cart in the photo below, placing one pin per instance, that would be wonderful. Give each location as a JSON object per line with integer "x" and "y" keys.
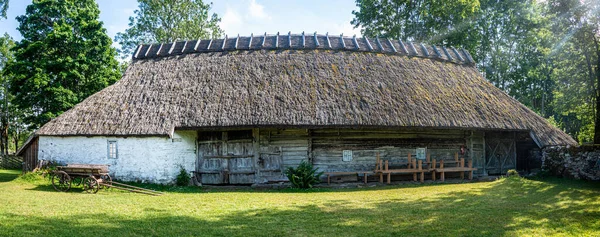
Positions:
{"x": 92, "y": 177}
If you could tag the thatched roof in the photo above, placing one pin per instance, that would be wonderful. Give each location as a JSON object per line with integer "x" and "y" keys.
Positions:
{"x": 252, "y": 83}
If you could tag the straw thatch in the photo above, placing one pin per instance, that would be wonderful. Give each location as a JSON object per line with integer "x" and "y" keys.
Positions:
{"x": 298, "y": 87}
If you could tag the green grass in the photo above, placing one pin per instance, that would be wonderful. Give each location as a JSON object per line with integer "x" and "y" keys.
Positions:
{"x": 507, "y": 207}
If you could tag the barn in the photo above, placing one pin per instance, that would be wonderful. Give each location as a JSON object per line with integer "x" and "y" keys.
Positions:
{"x": 240, "y": 110}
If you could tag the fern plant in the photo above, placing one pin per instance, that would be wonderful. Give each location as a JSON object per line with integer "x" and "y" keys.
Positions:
{"x": 304, "y": 176}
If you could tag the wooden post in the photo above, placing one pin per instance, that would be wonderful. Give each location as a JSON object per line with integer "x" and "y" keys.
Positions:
{"x": 442, "y": 176}
{"x": 365, "y": 177}
{"x": 471, "y": 171}
{"x": 456, "y": 157}
{"x": 409, "y": 160}
{"x": 328, "y": 179}
{"x": 414, "y": 166}
{"x": 421, "y": 169}
{"x": 388, "y": 174}
{"x": 433, "y": 169}
{"x": 462, "y": 165}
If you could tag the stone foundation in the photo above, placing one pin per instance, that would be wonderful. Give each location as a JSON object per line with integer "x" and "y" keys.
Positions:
{"x": 572, "y": 162}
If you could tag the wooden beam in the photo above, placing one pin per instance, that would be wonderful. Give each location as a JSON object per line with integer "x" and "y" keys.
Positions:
{"x": 403, "y": 46}
{"x": 412, "y": 46}
{"x": 457, "y": 54}
{"x": 236, "y": 41}
{"x": 148, "y": 50}
{"x": 327, "y": 39}
{"x": 356, "y": 46}
{"x": 262, "y": 45}
{"x": 277, "y": 40}
{"x": 424, "y": 49}
{"x": 172, "y": 47}
{"x": 303, "y": 40}
{"x": 159, "y": 49}
{"x": 379, "y": 44}
{"x": 224, "y": 43}
{"x": 137, "y": 51}
{"x": 342, "y": 39}
{"x": 447, "y": 54}
{"x": 368, "y": 44}
{"x": 184, "y": 45}
{"x": 196, "y": 46}
{"x": 437, "y": 52}
{"x": 250, "y": 43}
{"x": 316, "y": 40}
{"x": 392, "y": 44}
{"x": 290, "y": 39}
{"x": 209, "y": 43}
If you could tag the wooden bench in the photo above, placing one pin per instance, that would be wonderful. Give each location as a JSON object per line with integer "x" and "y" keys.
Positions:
{"x": 459, "y": 166}
{"x": 413, "y": 167}
{"x": 365, "y": 173}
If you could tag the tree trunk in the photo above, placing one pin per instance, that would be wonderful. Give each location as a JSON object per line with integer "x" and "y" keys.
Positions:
{"x": 597, "y": 119}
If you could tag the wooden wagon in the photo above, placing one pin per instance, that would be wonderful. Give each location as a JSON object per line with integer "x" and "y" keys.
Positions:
{"x": 92, "y": 177}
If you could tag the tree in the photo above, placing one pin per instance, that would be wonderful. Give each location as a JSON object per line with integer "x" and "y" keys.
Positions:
{"x": 3, "y": 8}
{"x": 6, "y": 56}
{"x": 64, "y": 56}
{"x": 168, "y": 21}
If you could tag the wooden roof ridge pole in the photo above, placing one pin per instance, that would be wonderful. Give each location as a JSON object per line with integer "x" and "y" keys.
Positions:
{"x": 412, "y": 46}
{"x": 159, "y": 48}
{"x": 356, "y": 46}
{"x": 148, "y": 51}
{"x": 467, "y": 56}
{"x": 425, "y": 51}
{"x": 379, "y": 43}
{"x": 457, "y": 54}
{"x": 368, "y": 44}
{"x": 403, "y": 46}
{"x": 392, "y": 44}
{"x": 184, "y": 45}
{"x": 137, "y": 51}
{"x": 197, "y": 44}
{"x": 316, "y": 40}
{"x": 327, "y": 39}
{"x": 250, "y": 43}
{"x": 209, "y": 43}
{"x": 172, "y": 47}
{"x": 447, "y": 53}
{"x": 437, "y": 52}
{"x": 342, "y": 39}
{"x": 224, "y": 42}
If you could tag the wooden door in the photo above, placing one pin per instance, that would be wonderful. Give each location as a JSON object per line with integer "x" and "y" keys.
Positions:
{"x": 241, "y": 161}
{"x": 211, "y": 166}
{"x": 477, "y": 151}
{"x": 500, "y": 155}
{"x": 226, "y": 157}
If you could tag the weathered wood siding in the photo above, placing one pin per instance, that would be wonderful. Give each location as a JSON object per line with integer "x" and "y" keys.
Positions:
{"x": 392, "y": 145}
{"x": 30, "y": 156}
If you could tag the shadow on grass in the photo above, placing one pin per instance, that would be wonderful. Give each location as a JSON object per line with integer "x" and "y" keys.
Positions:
{"x": 509, "y": 207}
{"x": 9, "y": 175}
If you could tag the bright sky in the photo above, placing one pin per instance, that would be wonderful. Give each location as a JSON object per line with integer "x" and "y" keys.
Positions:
{"x": 237, "y": 16}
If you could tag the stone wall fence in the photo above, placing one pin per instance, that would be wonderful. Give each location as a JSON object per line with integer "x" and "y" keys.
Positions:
{"x": 572, "y": 162}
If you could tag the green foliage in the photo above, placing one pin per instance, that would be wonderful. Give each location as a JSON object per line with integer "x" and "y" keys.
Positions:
{"x": 3, "y": 8}
{"x": 512, "y": 172}
{"x": 168, "y": 21}
{"x": 64, "y": 57}
{"x": 304, "y": 176}
{"x": 183, "y": 178}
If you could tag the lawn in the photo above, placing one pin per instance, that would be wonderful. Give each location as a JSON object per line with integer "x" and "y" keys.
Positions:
{"x": 506, "y": 207}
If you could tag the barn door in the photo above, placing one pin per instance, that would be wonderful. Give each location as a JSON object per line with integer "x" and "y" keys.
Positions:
{"x": 477, "y": 151}
{"x": 270, "y": 165}
{"x": 240, "y": 151}
{"x": 500, "y": 154}
{"x": 226, "y": 157}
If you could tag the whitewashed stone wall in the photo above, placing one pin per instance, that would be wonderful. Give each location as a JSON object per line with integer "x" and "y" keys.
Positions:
{"x": 146, "y": 159}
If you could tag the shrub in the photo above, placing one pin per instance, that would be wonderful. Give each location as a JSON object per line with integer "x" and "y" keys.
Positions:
{"x": 304, "y": 176}
{"x": 183, "y": 178}
{"x": 512, "y": 172}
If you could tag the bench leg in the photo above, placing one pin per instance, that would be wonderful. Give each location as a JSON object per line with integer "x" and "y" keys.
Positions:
{"x": 415, "y": 177}
{"x": 422, "y": 177}
{"x": 389, "y": 177}
{"x": 433, "y": 175}
{"x": 442, "y": 176}
{"x": 462, "y": 175}
{"x": 328, "y": 179}
{"x": 380, "y": 177}
{"x": 365, "y": 174}
{"x": 470, "y": 175}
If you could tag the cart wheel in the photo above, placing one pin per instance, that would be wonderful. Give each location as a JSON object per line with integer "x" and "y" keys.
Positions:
{"x": 106, "y": 179}
{"x": 77, "y": 181}
{"x": 90, "y": 184}
{"x": 61, "y": 181}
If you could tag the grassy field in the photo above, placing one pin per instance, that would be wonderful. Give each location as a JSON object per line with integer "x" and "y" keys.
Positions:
{"x": 507, "y": 207}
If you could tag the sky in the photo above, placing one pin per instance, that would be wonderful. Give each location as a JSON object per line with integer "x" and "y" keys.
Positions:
{"x": 237, "y": 16}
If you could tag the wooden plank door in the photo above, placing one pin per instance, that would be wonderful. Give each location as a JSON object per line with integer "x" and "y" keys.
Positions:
{"x": 500, "y": 155}
{"x": 241, "y": 162}
{"x": 211, "y": 166}
{"x": 477, "y": 151}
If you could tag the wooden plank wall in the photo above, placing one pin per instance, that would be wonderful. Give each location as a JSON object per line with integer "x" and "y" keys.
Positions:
{"x": 392, "y": 145}
{"x": 30, "y": 156}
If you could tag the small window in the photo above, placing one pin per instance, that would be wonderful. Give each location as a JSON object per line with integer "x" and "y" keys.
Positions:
{"x": 112, "y": 150}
